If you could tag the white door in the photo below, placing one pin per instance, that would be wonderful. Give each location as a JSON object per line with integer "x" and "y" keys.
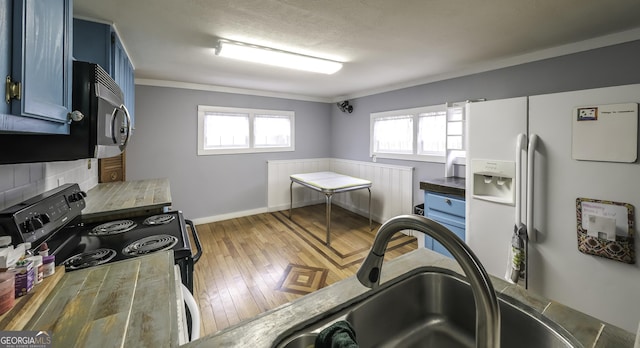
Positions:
{"x": 600, "y": 287}
{"x": 493, "y": 127}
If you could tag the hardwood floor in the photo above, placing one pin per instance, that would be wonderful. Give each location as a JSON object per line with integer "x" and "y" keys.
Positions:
{"x": 255, "y": 263}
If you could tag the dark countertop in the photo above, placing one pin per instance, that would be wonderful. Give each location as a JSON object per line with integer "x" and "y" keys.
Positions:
{"x": 450, "y": 185}
{"x": 264, "y": 329}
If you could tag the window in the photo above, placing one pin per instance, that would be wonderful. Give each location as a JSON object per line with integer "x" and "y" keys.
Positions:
{"x": 455, "y": 148}
{"x": 223, "y": 130}
{"x": 393, "y": 134}
{"x": 423, "y": 134}
{"x": 431, "y": 132}
{"x": 412, "y": 134}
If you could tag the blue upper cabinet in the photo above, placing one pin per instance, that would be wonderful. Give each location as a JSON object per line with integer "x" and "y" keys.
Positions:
{"x": 5, "y": 46}
{"x": 92, "y": 43}
{"x": 123, "y": 74}
{"x": 40, "y": 66}
{"x": 99, "y": 43}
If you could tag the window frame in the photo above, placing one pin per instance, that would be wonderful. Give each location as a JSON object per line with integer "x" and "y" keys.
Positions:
{"x": 204, "y": 109}
{"x": 415, "y": 112}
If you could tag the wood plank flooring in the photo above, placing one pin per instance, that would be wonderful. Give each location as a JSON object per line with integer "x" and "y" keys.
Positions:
{"x": 255, "y": 263}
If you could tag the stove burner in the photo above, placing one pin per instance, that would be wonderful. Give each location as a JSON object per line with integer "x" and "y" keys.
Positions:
{"x": 113, "y": 227}
{"x": 89, "y": 259}
{"x": 159, "y": 219}
{"x": 150, "y": 244}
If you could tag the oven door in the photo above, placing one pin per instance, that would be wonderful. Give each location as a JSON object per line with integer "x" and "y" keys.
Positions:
{"x": 187, "y": 264}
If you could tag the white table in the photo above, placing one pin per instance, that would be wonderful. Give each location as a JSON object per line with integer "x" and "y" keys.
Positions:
{"x": 329, "y": 183}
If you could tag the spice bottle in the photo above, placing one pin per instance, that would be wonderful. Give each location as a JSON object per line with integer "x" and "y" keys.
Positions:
{"x": 49, "y": 265}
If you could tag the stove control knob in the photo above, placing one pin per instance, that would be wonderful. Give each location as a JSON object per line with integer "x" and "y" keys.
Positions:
{"x": 37, "y": 222}
{"x": 45, "y": 218}
{"x": 78, "y": 196}
{"x": 27, "y": 226}
{"x": 32, "y": 224}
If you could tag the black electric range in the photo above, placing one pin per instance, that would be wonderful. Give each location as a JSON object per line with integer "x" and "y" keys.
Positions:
{"x": 54, "y": 218}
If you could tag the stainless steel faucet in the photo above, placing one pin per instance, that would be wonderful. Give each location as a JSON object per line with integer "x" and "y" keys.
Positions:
{"x": 487, "y": 310}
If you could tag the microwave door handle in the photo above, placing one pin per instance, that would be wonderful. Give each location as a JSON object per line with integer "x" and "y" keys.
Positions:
{"x": 129, "y": 125}
{"x": 113, "y": 125}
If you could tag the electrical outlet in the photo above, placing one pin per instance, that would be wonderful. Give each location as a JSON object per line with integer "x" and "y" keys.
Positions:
{"x": 89, "y": 164}
{"x": 588, "y": 113}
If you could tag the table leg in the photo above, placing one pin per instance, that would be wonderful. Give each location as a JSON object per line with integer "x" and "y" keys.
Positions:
{"x": 290, "y": 198}
{"x": 328, "y": 218}
{"x": 370, "y": 226}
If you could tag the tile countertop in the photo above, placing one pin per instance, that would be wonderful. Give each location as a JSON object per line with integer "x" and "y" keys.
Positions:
{"x": 120, "y": 304}
{"x": 449, "y": 185}
{"x": 264, "y": 329}
{"x": 127, "y": 197}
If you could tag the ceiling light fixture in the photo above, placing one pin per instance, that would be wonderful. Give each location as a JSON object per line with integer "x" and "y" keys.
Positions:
{"x": 270, "y": 56}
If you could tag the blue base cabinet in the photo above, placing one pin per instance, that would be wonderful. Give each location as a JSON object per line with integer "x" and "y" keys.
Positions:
{"x": 448, "y": 210}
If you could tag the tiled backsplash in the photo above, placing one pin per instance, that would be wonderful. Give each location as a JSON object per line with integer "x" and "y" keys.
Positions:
{"x": 22, "y": 181}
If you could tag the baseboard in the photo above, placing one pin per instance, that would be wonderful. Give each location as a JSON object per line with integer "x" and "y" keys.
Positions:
{"x": 237, "y": 214}
{"x": 221, "y": 217}
{"x": 295, "y": 205}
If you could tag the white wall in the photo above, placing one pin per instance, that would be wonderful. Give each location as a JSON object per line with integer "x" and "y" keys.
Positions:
{"x": 19, "y": 182}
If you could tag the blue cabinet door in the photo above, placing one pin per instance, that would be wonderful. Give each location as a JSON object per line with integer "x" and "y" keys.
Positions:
{"x": 123, "y": 74}
{"x": 447, "y": 210}
{"x": 41, "y": 61}
{"x": 92, "y": 43}
{"x": 459, "y": 231}
{"x": 5, "y": 47}
{"x": 99, "y": 43}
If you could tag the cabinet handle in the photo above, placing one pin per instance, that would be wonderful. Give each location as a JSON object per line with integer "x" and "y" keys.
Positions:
{"x": 13, "y": 90}
{"x": 448, "y": 201}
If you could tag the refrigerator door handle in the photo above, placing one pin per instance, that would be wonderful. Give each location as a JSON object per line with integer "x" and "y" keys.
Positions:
{"x": 531, "y": 153}
{"x": 521, "y": 142}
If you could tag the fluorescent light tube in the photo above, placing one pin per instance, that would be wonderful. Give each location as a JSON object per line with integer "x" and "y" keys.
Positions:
{"x": 269, "y": 56}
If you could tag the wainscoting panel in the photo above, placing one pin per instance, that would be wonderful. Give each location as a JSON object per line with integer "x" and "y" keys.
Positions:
{"x": 278, "y": 182}
{"x": 391, "y": 190}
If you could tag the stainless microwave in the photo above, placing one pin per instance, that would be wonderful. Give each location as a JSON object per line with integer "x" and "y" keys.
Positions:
{"x": 101, "y": 129}
{"x": 97, "y": 97}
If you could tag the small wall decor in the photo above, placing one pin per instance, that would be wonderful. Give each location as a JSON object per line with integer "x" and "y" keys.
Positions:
{"x": 605, "y": 229}
{"x": 606, "y": 133}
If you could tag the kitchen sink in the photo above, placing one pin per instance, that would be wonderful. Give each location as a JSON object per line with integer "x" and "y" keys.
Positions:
{"x": 429, "y": 308}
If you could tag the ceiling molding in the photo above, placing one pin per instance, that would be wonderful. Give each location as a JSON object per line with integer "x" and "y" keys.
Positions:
{"x": 223, "y": 89}
{"x": 558, "y": 51}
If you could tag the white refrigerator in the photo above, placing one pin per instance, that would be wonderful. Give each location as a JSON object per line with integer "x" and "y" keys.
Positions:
{"x": 578, "y": 158}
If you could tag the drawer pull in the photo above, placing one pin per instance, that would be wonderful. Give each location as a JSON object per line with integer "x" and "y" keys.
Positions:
{"x": 448, "y": 201}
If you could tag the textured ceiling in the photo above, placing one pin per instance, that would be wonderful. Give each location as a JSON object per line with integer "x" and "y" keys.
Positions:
{"x": 384, "y": 44}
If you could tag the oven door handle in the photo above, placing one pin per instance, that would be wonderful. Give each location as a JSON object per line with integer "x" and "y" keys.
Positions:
{"x": 194, "y": 233}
